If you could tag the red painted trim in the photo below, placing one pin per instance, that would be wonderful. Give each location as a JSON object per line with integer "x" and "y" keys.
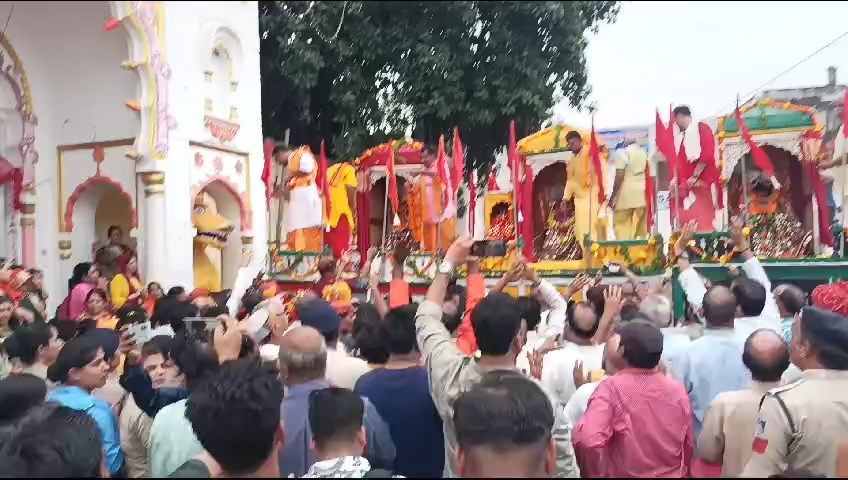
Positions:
{"x": 246, "y": 220}
{"x": 83, "y": 187}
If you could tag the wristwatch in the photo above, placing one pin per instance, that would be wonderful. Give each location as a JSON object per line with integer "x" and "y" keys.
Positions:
{"x": 446, "y": 268}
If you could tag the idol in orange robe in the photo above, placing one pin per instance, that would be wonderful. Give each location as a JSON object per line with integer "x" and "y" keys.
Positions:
{"x": 304, "y": 213}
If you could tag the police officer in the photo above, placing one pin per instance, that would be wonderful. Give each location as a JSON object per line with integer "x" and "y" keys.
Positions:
{"x": 801, "y": 425}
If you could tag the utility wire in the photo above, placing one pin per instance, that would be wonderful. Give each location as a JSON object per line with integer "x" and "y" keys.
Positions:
{"x": 750, "y": 95}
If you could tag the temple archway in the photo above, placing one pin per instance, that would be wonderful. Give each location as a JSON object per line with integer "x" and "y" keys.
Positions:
{"x": 92, "y": 211}
{"x": 796, "y": 192}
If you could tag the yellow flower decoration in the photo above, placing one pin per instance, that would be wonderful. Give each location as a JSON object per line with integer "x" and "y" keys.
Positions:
{"x": 746, "y": 231}
{"x": 652, "y": 241}
{"x": 595, "y": 247}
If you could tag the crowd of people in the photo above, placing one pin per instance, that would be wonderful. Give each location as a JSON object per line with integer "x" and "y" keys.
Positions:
{"x": 598, "y": 381}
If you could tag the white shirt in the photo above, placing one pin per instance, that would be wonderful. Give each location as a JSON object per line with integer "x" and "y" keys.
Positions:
{"x": 558, "y": 367}
{"x": 344, "y": 370}
{"x": 579, "y": 402}
{"x": 552, "y": 323}
{"x": 695, "y": 290}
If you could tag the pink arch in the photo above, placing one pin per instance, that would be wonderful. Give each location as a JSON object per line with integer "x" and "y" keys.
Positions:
{"x": 83, "y": 187}
{"x": 246, "y": 221}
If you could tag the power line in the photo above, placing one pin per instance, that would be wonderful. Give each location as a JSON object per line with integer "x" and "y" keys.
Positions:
{"x": 753, "y": 92}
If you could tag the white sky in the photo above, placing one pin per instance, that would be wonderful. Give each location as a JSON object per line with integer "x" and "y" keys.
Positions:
{"x": 703, "y": 53}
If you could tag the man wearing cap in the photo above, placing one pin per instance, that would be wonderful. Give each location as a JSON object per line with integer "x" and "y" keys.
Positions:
{"x": 628, "y": 200}
{"x": 343, "y": 370}
{"x": 803, "y": 424}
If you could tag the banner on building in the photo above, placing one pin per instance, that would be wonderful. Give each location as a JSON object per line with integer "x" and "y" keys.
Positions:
{"x": 614, "y": 139}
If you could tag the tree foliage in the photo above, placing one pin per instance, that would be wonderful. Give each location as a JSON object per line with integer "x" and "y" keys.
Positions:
{"x": 359, "y": 73}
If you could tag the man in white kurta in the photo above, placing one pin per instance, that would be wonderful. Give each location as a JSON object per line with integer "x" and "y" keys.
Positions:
{"x": 304, "y": 215}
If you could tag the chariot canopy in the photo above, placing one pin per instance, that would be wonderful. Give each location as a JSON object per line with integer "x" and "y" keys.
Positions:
{"x": 552, "y": 140}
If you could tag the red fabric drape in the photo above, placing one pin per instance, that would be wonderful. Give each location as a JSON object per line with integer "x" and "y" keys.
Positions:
{"x": 323, "y": 182}
{"x": 267, "y": 170}
{"x": 472, "y": 201}
{"x": 760, "y": 157}
{"x": 458, "y": 161}
{"x": 363, "y": 216}
{"x": 392, "y": 180}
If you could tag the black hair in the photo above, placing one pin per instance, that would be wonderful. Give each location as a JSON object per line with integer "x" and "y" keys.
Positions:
{"x": 112, "y": 228}
{"x": 66, "y": 329}
{"x": 504, "y": 411}
{"x": 750, "y": 296}
{"x": 719, "y": 311}
{"x": 792, "y": 298}
{"x": 170, "y": 310}
{"x": 129, "y": 315}
{"x": 368, "y": 335}
{"x": 236, "y": 414}
{"x": 531, "y": 311}
{"x": 641, "y": 344}
{"x": 194, "y": 357}
{"x": 572, "y": 135}
{"x": 27, "y": 340}
{"x": 399, "y": 328}
{"x": 158, "y": 345}
{"x": 78, "y": 275}
{"x": 456, "y": 290}
{"x": 496, "y": 321}
{"x": 51, "y": 441}
{"x": 252, "y": 297}
{"x": 19, "y": 393}
{"x": 595, "y": 297}
{"x": 760, "y": 370}
{"x": 175, "y": 291}
{"x": 827, "y": 334}
{"x": 335, "y": 414}
{"x": 76, "y": 353}
{"x": 452, "y": 322}
{"x": 109, "y": 341}
{"x": 150, "y": 285}
{"x": 682, "y": 110}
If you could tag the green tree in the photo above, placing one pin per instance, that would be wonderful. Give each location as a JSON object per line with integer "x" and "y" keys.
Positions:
{"x": 359, "y": 73}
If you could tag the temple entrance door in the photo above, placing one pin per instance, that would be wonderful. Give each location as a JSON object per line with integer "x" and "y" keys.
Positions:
{"x": 99, "y": 207}
{"x": 795, "y": 192}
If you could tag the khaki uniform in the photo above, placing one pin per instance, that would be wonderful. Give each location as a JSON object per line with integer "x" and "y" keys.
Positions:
{"x": 807, "y": 433}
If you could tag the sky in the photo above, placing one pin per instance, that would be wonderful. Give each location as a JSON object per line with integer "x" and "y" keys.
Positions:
{"x": 702, "y": 54}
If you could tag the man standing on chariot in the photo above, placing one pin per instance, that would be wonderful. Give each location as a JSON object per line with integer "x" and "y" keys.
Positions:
{"x": 697, "y": 172}
{"x": 305, "y": 212}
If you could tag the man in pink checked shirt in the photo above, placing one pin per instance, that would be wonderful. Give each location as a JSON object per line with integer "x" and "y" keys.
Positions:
{"x": 638, "y": 423}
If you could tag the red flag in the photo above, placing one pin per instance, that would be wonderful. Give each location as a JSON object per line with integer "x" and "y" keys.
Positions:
{"x": 472, "y": 201}
{"x": 595, "y": 155}
{"x": 392, "y": 180}
{"x": 493, "y": 181}
{"x": 665, "y": 143}
{"x": 760, "y": 157}
{"x": 512, "y": 155}
{"x": 267, "y": 169}
{"x": 441, "y": 166}
{"x": 458, "y": 161}
{"x": 323, "y": 181}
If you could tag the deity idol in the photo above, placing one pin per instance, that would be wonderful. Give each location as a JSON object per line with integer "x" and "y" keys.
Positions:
{"x": 775, "y": 230}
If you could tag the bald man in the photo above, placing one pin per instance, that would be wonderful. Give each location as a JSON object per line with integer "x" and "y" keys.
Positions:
{"x": 582, "y": 324}
{"x": 731, "y": 420}
{"x": 303, "y": 363}
{"x": 712, "y": 364}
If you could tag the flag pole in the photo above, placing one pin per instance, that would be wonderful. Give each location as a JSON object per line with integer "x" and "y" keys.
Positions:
{"x": 742, "y": 169}
{"x": 676, "y": 184}
{"x": 841, "y": 192}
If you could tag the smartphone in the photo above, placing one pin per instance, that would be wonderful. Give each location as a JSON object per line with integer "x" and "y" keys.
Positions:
{"x": 194, "y": 323}
{"x": 489, "y": 248}
{"x": 141, "y": 332}
{"x": 612, "y": 268}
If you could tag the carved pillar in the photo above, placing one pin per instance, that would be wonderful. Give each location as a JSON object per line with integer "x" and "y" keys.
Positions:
{"x": 154, "y": 226}
{"x": 28, "y": 234}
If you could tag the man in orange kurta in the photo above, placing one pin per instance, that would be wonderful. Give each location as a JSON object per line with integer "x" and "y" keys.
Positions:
{"x": 304, "y": 213}
{"x": 433, "y": 223}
